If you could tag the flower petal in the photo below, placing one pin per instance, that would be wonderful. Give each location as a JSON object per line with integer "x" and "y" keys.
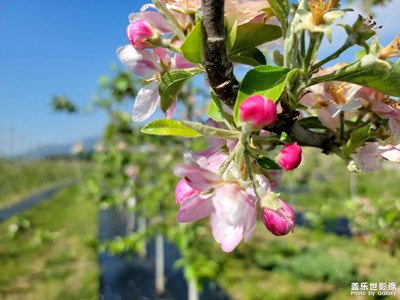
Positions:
{"x": 198, "y": 178}
{"x": 390, "y": 152}
{"x": 368, "y": 158}
{"x": 194, "y": 208}
{"x": 139, "y": 62}
{"x": 146, "y": 102}
{"x": 227, "y": 235}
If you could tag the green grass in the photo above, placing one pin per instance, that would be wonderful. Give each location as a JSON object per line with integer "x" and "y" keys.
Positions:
{"x": 54, "y": 257}
{"x": 323, "y": 184}
{"x": 19, "y": 179}
{"x": 303, "y": 265}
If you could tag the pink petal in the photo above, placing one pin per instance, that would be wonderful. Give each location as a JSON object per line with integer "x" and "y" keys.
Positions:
{"x": 325, "y": 116}
{"x": 171, "y": 110}
{"x": 194, "y": 208}
{"x": 158, "y": 21}
{"x": 394, "y": 124}
{"x": 182, "y": 63}
{"x": 198, "y": 178}
{"x": 368, "y": 158}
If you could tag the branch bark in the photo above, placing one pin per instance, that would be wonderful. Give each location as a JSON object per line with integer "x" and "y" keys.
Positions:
{"x": 219, "y": 68}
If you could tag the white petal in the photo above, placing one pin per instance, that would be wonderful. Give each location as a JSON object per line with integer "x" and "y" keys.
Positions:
{"x": 227, "y": 235}
{"x": 139, "y": 62}
{"x": 351, "y": 105}
{"x": 390, "y": 152}
{"x": 146, "y": 102}
{"x": 250, "y": 221}
{"x": 230, "y": 203}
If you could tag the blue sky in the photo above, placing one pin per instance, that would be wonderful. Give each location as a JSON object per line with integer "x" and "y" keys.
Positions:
{"x": 49, "y": 48}
{"x": 63, "y": 47}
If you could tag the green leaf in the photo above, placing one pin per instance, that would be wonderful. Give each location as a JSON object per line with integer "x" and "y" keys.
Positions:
{"x": 231, "y": 29}
{"x": 213, "y": 132}
{"x": 192, "y": 46}
{"x": 357, "y": 138}
{"x": 268, "y": 81}
{"x": 311, "y": 123}
{"x": 172, "y": 82}
{"x": 252, "y": 57}
{"x": 168, "y": 127}
{"x": 383, "y": 76}
{"x": 268, "y": 164}
{"x": 215, "y": 110}
{"x": 360, "y": 54}
{"x": 280, "y": 9}
{"x": 251, "y": 35}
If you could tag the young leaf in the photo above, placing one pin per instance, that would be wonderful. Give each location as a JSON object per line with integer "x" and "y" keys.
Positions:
{"x": 383, "y": 76}
{"x": 252, "y": 57}
{"x": 231, "y": 30}
{"x": 172, "y": 82}
{"x": 281, "y": 10}
{"x": 192, "y": 46}
{"x": 215, "y": 110}
{"x": 311, "y": 123}
{"x": 357, "y": 138}
{"x": 169, "y": 127}
{"x": 268, "y": 164}
{"x": 213, "y": 132}
{"x": 251, "y": 35}
{"x": 268, "y": 81}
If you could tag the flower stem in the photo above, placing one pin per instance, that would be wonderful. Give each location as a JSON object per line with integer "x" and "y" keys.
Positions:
{"x": 315, "y": 42}
{"x": 334, "y": 55}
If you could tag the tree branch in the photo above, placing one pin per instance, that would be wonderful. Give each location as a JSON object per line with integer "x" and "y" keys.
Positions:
{"x": 217, "y": 64}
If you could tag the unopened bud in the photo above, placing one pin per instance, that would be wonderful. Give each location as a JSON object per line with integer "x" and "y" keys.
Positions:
{"x": 258, "y": 111}
{"x": 142, "y": 34}
{"x": 290, "y": 156}
{"x": 277, "y": 216}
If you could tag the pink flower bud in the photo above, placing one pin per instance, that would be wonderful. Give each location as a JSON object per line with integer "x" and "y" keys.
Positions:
{"x": 182, "y": 191}
{"x": 290, "y": 156}
{"x": 258, "y": 111}
{"x": 279, "y": 221}
{"x": 139, "y": 33}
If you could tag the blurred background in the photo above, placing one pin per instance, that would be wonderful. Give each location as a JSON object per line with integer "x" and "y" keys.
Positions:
{"x": 87, "y": 208}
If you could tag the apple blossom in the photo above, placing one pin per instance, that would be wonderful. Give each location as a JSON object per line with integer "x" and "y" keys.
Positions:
{"x": 319, "y": 17}
{"x": 391, "y": 50}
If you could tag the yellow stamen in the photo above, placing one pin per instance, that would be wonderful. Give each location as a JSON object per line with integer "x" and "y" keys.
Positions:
{"x": 391, "y": 50}
{"x": 318, "y": 8}
{"x": 337, "y": 93}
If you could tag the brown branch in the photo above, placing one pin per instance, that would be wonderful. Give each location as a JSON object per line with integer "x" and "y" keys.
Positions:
{"x": 219, "y": 68}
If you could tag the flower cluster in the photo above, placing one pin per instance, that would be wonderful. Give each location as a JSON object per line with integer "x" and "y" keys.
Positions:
{"x": 257, "y": 128}
{"x": 220, "y": 184}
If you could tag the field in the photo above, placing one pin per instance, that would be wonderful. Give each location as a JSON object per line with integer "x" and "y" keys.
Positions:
{"x": 50, "y": 251}
{"x": 52, "y": 255}
{"x": 20, "y": 179}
